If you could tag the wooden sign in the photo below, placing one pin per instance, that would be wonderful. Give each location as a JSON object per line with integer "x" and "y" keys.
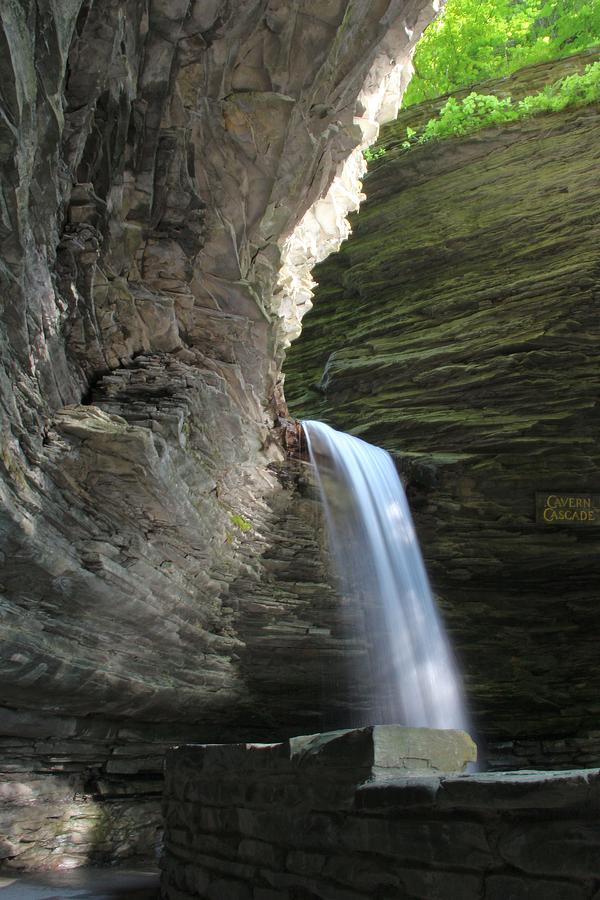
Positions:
{"x": 560, "y": 508}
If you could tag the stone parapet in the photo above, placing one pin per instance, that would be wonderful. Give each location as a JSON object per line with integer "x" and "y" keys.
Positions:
{"x": 330, "y": 816}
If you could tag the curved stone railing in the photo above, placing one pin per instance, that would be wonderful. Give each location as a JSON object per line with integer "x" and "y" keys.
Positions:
{"x": 370, "y": 813}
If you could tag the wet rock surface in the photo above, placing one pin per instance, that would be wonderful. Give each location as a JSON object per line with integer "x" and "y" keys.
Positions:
{"x": 458, "y": 329}
{"x": 83, "y": 884}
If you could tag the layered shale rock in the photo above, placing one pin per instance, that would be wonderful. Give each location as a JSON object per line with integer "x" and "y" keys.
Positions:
{"x": 458, "y": 328}
{"x": 158, "y": 159}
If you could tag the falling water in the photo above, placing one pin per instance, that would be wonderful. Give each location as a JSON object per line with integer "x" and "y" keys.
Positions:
{"x": 376, "y": 552}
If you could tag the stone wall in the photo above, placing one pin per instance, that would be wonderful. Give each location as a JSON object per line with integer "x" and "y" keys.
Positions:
{"x": 320, "y": 820}
{"x": 76, "y": 791}
{"x": 457, "y": 328}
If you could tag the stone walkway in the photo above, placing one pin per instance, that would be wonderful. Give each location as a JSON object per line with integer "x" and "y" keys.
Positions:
{"x": 82, "y": 884}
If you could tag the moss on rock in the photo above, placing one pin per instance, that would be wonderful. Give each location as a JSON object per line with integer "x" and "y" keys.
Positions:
{"x": 458, "y": 328}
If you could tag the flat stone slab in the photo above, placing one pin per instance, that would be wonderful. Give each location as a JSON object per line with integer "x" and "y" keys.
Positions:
{"x": 574, "y": 789}
{"x": 375, "y": 752}
{"x": 388, "y": 749}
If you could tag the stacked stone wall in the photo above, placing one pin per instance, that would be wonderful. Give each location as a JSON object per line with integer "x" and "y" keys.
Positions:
{"x": 263, "y": 823}
{"x": 580, "y": 752}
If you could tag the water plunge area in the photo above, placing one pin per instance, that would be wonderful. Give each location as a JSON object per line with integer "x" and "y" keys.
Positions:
{"x": 408, "y": 667}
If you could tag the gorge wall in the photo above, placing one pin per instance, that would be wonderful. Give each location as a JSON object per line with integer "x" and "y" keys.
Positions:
{"x": 171, "y": 169}
{"x": 458, "y": 328}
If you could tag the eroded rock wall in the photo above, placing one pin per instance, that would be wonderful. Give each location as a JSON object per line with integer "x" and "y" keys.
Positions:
{"x": 157, "y": 157}
{"x": 458, "y": 328}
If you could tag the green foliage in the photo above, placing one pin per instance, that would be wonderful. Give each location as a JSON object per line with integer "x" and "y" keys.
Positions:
{"x": 371, "y": 153}
{"x": 477, "y": 111}
{"x": 240, "y": 522}
{"x": 464, "y": 116}
{"x": 477, "y": 39}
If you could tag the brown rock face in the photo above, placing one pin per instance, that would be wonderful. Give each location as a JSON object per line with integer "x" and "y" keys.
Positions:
{"x": 156, "y": 157}
{"x": 458, "y": 328}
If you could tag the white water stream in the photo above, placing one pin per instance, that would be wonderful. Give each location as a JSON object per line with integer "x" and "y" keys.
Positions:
{"x": 375, "y": 549}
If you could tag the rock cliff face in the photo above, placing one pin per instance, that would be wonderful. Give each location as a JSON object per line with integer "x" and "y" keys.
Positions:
{"x": 458, "y": 328}
{"x": 171, "y": 170}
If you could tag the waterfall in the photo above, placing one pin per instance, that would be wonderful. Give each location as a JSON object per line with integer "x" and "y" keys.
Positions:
{"x": 409, "y": 666}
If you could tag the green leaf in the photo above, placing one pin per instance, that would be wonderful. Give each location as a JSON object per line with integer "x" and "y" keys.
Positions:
{"x": 476, "y": 39}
